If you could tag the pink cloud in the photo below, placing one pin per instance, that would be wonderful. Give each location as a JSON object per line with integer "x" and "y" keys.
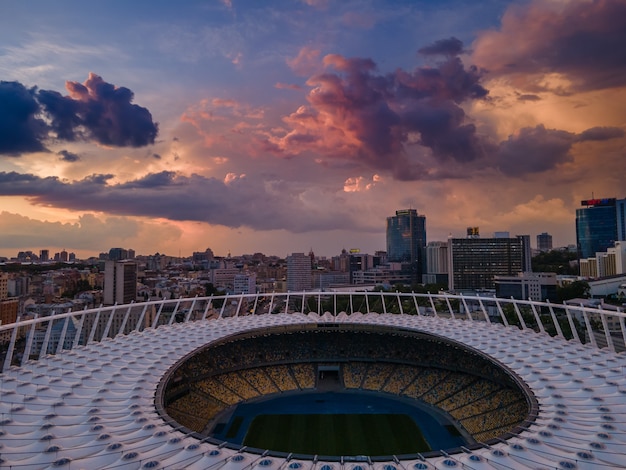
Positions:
{"x": 580, "y": 40}
{"x": 306, "y": 62}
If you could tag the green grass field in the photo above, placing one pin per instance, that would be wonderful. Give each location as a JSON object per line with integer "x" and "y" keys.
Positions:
{"x": 337, "y": 434}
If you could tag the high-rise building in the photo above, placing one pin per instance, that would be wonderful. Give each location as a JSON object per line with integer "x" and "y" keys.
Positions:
{"x": 44, "y": 255}
{"x": 298, "y": 272}
{"x": 406, "y": 239}
{"x": 474, "y": 262}
{"x": 436, "y": 263}
{"x": 120, "y": 282}
{"x": 597, "y": 225}
{"x": 118, "y": 254}
{"x": 544, "y": 242}
{"x": 620, "y": 209}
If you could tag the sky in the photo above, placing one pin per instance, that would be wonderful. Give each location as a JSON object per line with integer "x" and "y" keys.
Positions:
{"x": 289, "y": 125}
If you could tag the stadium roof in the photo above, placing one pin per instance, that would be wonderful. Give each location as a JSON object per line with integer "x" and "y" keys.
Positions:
{"x": 94, "y": 406}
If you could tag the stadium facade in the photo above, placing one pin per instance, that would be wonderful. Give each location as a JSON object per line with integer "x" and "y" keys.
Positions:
{"x": 96, "y": 401}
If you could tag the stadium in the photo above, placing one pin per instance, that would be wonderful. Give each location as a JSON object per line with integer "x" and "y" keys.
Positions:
{"x": 354, "y": 381}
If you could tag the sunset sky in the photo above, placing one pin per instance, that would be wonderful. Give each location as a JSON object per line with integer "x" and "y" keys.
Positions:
{"x": 283, "y": 126}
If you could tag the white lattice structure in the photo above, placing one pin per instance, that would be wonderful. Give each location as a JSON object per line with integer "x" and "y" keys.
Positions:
{"x": 93, "y": 406}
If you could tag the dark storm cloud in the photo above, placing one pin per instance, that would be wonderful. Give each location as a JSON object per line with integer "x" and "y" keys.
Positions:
{"x": 105, "y": 111}
{"x": 21, "y": 131}
{"x": 583, "y": 40}
{"x": 601, "y": 133}
{"x": 385, "y": 112}
{"x": 534, "y": 149}
{"x": 68, "y": 156}
{"x": 95, "y": 110}
{"x": 447, "y": 47}
{"x": 528, "y": 97}
{"x": 253, "y": 202}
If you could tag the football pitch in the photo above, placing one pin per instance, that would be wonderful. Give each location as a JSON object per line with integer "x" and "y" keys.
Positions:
{"x": 336, "y": 434}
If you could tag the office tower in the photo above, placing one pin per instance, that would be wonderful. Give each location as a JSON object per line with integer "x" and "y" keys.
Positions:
{"x": 406, "y": 239}
{"x": 597, "y": 225}
{"x": 436, "y": 263}
{"x": 44, "y": 255}
{"x": 620, "y": 208}
{"x": 120, "y": 282}
{"x": 544, "y": 242}
{"x": 117, "y": 254}
{"x": 473, "y": 262}
{"x": 298, "y": 272}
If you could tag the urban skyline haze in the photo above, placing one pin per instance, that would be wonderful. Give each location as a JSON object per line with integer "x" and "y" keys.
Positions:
{"x": 289, "y": 125}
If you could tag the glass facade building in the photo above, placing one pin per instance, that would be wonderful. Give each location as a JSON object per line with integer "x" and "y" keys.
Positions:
{"x": 406, "y": 238}
{"x": 596, "y": 226}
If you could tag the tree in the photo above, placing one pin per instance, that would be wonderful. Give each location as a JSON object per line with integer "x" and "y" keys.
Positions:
{"x": 573, "y": 290}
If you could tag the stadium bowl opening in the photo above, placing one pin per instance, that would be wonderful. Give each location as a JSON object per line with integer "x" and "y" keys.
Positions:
{"x": 340, "y": 389}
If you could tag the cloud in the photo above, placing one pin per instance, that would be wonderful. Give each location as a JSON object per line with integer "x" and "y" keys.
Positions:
{"x": 68, "y": 156}
{"x": 21, "y": 131}
{"x": 287, "y": 86}
{"x": 95, "y": 110}
{"x": 446, "y": 47}
{"x": 235, "y": 201}
{"x": 104, "y": 111}
{"x": 87, "y": 232}
{"x": 558, "y": 46}
{"x": 358, "y": 114}
{"x": 533, "y": 150}
{"x": 601, "y": 133}
{"x": 307, "y": 62}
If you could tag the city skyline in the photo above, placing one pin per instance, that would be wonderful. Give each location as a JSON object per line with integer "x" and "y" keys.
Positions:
{"x": 294, "y": 125}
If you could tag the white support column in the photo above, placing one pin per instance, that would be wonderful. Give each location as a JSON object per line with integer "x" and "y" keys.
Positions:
{"x": 208, "y": 307}
{"x": 482, "y": 307}
{"x": 239, "y": 304}
{"x": 79, "y": 330}
{"x": 432, "y": 305}
{"x": 367, "y": 302}
{"x": 46, "y": 339}
{"x": 559, "y": 332}
{"x": 125, "y": 319}
{"x": 9, "y": 356}
{"x": 592, "y": 337}
{"x": 607, "y": 333}
{"x": 450, "y": 307}
{"x": 29, "y": 341}
{"x": 287, "y": 303}
{"x": 571, "y": 323}
{"x": 223, "y": 307}
{"x": 467, "y": 311}
{"x": 141, "y": 317}
{"x": 269, "y": 310}
{"x": 190, "y": 312}
{"x": 351, "y": 305}
{"x": 155, "y": 322}
{"x": 539, "y": 323}
{"x": 382, "y": 299}
{"x": 256, "y": 301}
{"x": 502, "y": 315}
{"x": 92, "y": 333}
{"x": 174, "y": 313}
{"x": 399, "y": 303}
{"x": 105, "y": 334}
{"x": 63, "y": 333}
{"x": 519, "y": 315}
